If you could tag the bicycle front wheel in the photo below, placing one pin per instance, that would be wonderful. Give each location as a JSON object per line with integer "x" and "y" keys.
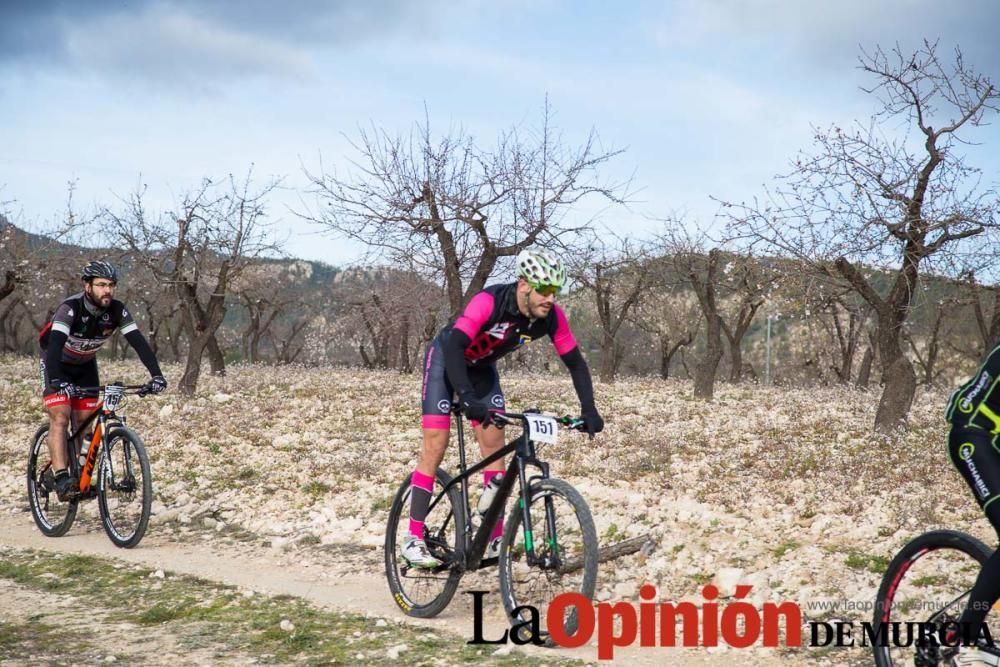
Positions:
{"x": 52, "y": 516}
{"x": 124, "y": 488}
{"x": 927, "y": 582}
{"x": 417, "y": 591}
{"x": 565, "y": 546}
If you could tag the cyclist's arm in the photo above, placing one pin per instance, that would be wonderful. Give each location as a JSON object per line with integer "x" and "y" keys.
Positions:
{"x": 130, "y": 330}
{"x": 568, "y": 350}
{"x": 580, "y": 372}
{"x": 53, "y": 354}
{"x": 58, "y": 334}
{"x": 472, "y": 320}
{"x": 454, "y": 361}
{"x": 145, "y": 352}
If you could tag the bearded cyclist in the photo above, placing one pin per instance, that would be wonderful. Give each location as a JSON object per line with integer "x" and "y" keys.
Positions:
{"x": 81, "y": 325}
{"x": 462, "y": 360}
{"x": 974, "y": 415}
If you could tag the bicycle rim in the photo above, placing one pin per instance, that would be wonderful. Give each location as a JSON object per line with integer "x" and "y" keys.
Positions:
{"x": 125, "y": 488}
{"x": 568, "y": 554}
{"x": 927, "y": 582}
{"x": 421, "y": 592}
{"x": 52, "y": 516}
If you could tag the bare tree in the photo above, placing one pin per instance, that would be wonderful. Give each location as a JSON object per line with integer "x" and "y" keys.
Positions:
{"x": 869, "y": 196}
{"x": 392, "y": 318}
{"x": 671, "y": 315}
{"x": 199, "y": 250}
{"x": 450, "y": 210}
{"x": 616, "y": 271}
{"x": 748, "y": 282}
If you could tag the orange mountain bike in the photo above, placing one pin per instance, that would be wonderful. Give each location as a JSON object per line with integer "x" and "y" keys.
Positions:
{"x": 123, "y": 484}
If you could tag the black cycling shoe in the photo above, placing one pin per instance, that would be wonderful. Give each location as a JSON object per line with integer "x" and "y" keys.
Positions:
{"x": 67, "y": 487}
{"x": 48, "y": 481}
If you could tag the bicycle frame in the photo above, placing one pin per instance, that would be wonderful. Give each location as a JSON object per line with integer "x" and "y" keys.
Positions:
{"x": 98, "y": 439}
{"x": 474, "y": 547}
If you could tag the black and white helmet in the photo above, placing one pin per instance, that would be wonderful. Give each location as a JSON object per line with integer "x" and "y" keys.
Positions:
{"x": 99, "y": 270}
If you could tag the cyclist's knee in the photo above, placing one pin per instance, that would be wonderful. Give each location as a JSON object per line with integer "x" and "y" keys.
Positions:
{"x": 490, "y": 439}
{"x": 59, "y": 416}
{"x": 435, "y": 444}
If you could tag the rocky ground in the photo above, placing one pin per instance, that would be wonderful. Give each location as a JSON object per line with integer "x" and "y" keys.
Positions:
{"x": 786, "y": 490}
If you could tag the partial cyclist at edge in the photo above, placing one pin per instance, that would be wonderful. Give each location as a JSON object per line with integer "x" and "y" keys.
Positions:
{"x": 68, "y": 343}
{"x": 462, "y": 360}
{"x": 974, "y": 414}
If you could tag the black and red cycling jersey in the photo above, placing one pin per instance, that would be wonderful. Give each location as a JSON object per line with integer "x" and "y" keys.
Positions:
{"x": 87, "y": 328}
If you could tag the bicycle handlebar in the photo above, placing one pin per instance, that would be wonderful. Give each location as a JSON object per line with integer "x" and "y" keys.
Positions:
{"x": 85, "y": 392}
{"x": 499, "y": 417}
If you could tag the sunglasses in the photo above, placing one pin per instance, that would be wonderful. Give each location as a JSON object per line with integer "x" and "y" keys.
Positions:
{"x": 547, "y": 290}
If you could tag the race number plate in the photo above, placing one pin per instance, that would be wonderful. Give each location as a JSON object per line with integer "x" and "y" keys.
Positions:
{"x": 543, "y": 429}
{"x": 112, "y": 398}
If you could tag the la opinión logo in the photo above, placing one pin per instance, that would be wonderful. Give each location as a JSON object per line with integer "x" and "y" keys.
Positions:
{"x": 738, "y": 624}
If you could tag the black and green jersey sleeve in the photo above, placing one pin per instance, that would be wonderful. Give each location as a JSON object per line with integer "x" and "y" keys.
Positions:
{"x": 977, "y": 402}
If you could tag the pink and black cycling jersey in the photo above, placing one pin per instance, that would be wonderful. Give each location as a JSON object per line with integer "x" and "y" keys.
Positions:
{"x": 496, "y": 327}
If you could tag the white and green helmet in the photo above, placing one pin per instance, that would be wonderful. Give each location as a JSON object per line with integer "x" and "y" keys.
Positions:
{"x": 541, "y": 268}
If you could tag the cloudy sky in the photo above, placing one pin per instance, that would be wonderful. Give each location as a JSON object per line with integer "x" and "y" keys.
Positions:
{"x": 709, "y": 97}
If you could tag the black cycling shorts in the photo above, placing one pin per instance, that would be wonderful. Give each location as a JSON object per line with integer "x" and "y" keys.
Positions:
{"x": 438, "y": 393}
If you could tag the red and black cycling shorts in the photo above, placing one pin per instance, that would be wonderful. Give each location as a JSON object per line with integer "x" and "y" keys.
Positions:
{"x": 82, "y": 375}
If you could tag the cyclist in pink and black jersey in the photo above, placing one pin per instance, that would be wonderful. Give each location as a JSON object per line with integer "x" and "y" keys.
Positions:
{"x": 461, "y": 361}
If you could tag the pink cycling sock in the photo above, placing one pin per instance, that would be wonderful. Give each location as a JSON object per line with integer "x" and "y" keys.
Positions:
{"x": 421, "y": 489}
{"x": 487, "y": 476}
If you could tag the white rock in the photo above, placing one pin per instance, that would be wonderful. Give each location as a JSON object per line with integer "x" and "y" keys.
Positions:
{"x": 166, "y": 410}
{"x": 820, "y": 525}
{"x": 726, "y": 580}
{"x": 371, "y": 540}
{"x": 222, "y": 398}
{"x": 159, "y": 574}
{"x": 286, "y": 625}
{"x": 380, "y": 623}
{"x": 625, "y": 589}
{"x": 393, "y": 651}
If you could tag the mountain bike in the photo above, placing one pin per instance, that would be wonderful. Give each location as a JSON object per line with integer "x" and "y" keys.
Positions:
{"x": 928, "y": 581}
{"x": 123, "y": 484}
{"x": 549, "y": 543}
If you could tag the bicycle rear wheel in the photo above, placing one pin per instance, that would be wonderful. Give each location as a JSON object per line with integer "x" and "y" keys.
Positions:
{"x": 565, "y": 544}
{"x": 52, "y": 516}
{"x": 927, "y": 582}
{"x": 124, "y": 487}
{"x": 422, "y": 592}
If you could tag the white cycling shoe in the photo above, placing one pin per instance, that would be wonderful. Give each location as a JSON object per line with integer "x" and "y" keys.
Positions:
{"x": 493, "y": 548}
{"x": 415, "y": 552}
{"x": 970, "y": 656}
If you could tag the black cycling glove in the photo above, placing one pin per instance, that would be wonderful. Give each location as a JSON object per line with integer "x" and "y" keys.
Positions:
{"x": 157, "y": 384}
{"x": 592, "y": 422}
{"x": 475, "y": 409}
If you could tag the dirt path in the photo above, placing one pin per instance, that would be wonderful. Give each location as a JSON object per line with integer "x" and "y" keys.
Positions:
{"x": 277, "y": 572}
